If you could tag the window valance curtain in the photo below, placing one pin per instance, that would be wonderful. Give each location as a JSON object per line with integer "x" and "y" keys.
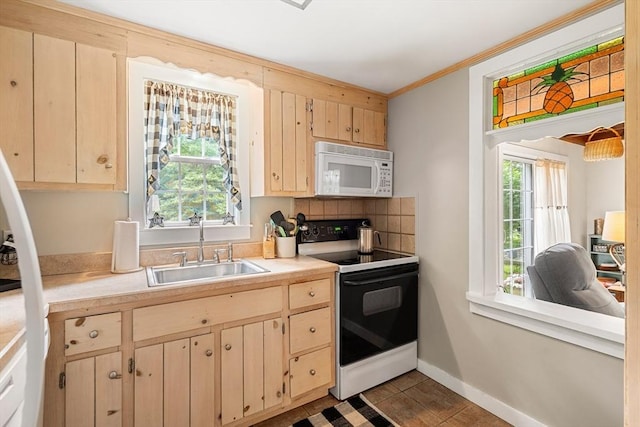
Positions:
{"x": 171, "y": 110}
{"x": 551, "y": 213}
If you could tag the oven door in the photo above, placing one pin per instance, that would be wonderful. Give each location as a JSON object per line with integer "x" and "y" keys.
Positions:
{"x": 378, "y": 311}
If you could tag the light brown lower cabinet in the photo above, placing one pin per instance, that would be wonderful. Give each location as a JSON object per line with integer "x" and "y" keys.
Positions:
{"x": 228, "y": 359}
{"x": 94, "y": 391}
{"x": 252, "y": 369}
{"x": 174, "y": 383}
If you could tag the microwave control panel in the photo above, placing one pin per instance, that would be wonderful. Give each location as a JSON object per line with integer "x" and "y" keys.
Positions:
{"x": 385, "y": 180}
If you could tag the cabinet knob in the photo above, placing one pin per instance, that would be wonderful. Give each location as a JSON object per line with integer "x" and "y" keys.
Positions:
{"x": 348, "y": 129}
{"x": 279, "y": 394}
{"x": 108, "y": 166}
{"x": 113, "y": 375}
{"x": 203, "y": 321}
{"x": 356, "y": 130}
{"x": 275, "y": 176}
{"x": 93, "y": 334}
{"x": 227, "y": 347}
{"x": 312, "y": 330}
{"x": 209, "y": 353}
{"x": 14, "y": 83}
{"x": 312, "y": 372}
{"x": 312, "y": 294}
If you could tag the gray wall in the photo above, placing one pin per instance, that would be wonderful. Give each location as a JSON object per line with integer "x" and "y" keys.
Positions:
{"x": 557, "y": 383}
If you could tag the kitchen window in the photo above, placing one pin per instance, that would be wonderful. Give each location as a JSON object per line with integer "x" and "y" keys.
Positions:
{"x": 181, "y": 163}
{"x": 595, "y": 331}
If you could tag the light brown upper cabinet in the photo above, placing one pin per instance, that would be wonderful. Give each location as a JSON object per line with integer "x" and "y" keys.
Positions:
{"x": 16, "y": 101}
{"x": 286, "y": 151}
{"x": 58, "y": 105}
{"x": 352, "y": 125}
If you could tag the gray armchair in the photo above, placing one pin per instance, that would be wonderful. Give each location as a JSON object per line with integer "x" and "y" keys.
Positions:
{"x": 564, "y": 274}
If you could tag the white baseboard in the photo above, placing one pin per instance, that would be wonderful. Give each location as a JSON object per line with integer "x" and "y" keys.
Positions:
{"x": 480, "y": 398}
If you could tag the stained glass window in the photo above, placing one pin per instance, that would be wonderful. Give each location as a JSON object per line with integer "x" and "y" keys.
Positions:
{"x": 588, "y": 78}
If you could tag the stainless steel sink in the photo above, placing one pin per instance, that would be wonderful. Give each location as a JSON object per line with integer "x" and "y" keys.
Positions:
{"x": 200, "y": 273}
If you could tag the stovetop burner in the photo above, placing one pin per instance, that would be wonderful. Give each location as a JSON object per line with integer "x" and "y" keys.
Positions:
{"x": 353, "y": 257}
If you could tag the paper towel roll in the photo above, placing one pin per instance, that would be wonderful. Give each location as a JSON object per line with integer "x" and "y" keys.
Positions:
{"x": 126, "y": 247}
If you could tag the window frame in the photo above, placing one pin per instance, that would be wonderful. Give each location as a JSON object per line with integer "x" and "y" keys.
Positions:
{"x": 587, "y": 329}
{"x": 249, "y": 128}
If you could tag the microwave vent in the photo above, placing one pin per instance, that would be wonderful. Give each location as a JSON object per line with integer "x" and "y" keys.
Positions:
{"x": 329, "y": 147}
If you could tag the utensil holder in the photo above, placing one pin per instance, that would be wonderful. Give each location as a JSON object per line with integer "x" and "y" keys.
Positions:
{"x": 285, "y": 247}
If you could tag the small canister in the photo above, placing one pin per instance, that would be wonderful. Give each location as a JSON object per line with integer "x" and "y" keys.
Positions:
{"x": 598, "y": 225}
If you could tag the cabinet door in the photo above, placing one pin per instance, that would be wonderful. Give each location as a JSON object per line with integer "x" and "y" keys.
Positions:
{"x": 319, "y": 118}
{"x": 96, "y": 115}
{"x": 54, "y": 80}
{"x": 16, "y": 101}
{"x": 94, "y": 391}
{"x": 288, "y": 156}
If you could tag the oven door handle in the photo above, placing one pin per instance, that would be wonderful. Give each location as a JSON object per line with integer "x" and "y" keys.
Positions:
{"x": 380, "y": 279}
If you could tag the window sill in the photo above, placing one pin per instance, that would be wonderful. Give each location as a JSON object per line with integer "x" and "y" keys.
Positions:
{"x": 212, "y": 233}
{"x": 595, "y": 331}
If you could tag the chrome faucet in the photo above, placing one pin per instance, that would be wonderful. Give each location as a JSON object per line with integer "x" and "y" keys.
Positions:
{"x": 201, "y": 247}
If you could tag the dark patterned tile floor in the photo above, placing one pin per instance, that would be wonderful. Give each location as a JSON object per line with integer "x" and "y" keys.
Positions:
{"x": 411, "y": 400}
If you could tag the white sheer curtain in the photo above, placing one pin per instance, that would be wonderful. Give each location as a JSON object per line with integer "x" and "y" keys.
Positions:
{"x": 551, "y": 214}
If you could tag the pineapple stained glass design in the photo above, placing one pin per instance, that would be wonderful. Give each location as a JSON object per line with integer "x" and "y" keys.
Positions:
{"x": 588, "y": 78}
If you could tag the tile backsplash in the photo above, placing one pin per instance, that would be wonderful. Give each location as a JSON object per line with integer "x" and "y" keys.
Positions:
{"x": 394, "y": 218}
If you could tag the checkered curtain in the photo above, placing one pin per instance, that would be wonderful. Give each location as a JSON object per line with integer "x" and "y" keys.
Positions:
{"x": 159, "y": 113}
{"x": 174, "y": 110}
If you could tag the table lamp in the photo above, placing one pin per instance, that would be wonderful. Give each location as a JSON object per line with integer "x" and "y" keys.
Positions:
{"x": 613, "y": 231}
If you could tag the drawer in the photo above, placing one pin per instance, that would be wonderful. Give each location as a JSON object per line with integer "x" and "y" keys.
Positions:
{"x": 310, "y": 371}
{"x": 92, "y": 333}
{"x": 309, "y": 293}
{"x": 309, "y": 330}
{"x": 165, "y": 319}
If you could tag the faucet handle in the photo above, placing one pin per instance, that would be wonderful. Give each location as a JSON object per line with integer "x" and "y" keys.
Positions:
{"x": 216, "y": 254}
{"x": 183, "y": 257}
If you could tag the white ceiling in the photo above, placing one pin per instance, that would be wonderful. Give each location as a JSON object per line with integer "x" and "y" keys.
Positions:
{"x": 382, "y": 45}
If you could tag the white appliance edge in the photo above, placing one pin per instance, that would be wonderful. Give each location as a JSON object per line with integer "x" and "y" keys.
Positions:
{"x": 29, "y": 413}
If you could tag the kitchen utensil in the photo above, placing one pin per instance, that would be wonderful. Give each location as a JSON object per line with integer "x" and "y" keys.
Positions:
{"x": 300, "y": 218}
{"x": 281, "y": 231}
{"x": 277, "y": 218}
{"x": 365, "y": 239}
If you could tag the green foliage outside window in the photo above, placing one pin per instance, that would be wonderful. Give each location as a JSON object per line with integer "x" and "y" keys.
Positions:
{"x": 193, "y": 181}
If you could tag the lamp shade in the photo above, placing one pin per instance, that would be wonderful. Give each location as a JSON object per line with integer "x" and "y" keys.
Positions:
{"x": 613, "y": 230}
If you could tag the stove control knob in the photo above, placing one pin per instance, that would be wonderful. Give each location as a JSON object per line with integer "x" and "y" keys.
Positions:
{"x": 314, "y": 230}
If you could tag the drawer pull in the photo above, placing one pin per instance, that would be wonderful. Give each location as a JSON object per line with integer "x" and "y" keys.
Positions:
{"x": 312, "y": 330}
{"x": 113, "y": 375}
{"x": 312, "y": 372}
{"x": 227, "y": 347}
{"x": 204, "y": 321}
{"x": 93, "y": 334}
{"x": 312, "y": 294}
{"x": 209, "y": 353}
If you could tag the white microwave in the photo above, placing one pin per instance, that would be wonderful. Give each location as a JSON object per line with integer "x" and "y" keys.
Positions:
{"x": 345, "y": 170}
